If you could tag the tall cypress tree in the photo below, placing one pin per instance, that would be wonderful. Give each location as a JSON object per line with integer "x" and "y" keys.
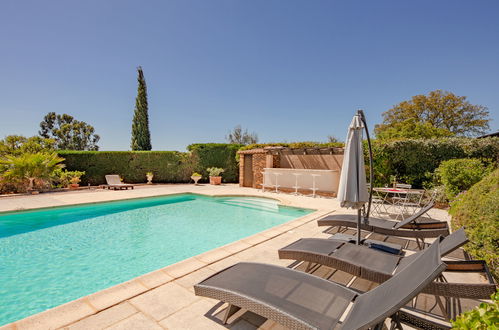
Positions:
{"x": 141, "y": 137}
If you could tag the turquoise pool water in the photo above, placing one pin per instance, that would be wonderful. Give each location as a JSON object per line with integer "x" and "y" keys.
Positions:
{"x": 52, "y": 256}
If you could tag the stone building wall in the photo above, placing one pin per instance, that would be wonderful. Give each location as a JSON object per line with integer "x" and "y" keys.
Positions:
{"x": 259, "y": 163}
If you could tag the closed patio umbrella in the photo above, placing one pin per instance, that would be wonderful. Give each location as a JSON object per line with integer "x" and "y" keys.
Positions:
{"x": 352, "y": 192}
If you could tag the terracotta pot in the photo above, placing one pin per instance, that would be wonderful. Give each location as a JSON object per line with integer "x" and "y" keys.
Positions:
{"x": 216, "y": 180}
{"x": 74, "y": 186}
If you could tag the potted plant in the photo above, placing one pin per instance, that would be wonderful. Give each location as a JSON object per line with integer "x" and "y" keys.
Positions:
{"x": 196, "y": 177}
{"x": 214, "y": 173}
{"x": 149, "y": 176}
{"x": 73, "y": 178}
{"x": 75, "y": 182}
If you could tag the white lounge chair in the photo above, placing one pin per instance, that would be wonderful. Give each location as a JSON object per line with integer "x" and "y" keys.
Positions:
{"x": 114, "y": 182}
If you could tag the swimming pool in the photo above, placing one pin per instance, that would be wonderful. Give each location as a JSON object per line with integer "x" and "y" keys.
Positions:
{"x": 52, "y": 256}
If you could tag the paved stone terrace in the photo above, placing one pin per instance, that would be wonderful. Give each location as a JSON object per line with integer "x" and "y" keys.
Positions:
{"x": 164, "y": 299}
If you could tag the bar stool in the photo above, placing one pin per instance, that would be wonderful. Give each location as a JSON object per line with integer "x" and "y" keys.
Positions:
{"x": 277, "y": 185}
{"x": 264, "y": 183}
{"x": 296, "y": 182}
{"x": 314, "y": 188}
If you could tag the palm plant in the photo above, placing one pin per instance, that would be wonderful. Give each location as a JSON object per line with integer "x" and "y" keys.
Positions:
{"x": 31, "y": 166}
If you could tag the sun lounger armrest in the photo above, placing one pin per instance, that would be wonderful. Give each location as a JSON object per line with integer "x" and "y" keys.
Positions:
{"x": 465, "y": 266}
{"x": 428, "y": 225}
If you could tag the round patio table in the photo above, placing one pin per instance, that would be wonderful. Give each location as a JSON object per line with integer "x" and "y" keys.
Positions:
{"x": 400, "y": 199}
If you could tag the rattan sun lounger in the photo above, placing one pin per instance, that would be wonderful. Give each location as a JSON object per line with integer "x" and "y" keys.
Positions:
{"x": 299, "y": 300}
{"x": 405, "y": 228}
{"x": 114, "y": 182}
{"x": 377, "y": 266}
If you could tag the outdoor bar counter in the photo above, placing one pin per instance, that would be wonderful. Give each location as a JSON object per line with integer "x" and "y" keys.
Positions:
{"x": 325, "y": 180}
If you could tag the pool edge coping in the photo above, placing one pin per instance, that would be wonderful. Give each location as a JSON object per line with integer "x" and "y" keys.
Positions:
{"x": 83, "y": 307}
{"x": 281, "y": 201}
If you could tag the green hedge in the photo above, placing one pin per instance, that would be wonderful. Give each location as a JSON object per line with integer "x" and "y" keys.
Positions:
{"x": 478, "y": 211}
{"x": 167, "y": 166}
{"x": 413, "y": 160}
{"x": 222, "y": 155}
{"x": 132, "y": 166}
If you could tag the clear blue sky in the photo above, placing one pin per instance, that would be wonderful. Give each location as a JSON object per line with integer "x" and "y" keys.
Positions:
{"x": 287, "y": 70}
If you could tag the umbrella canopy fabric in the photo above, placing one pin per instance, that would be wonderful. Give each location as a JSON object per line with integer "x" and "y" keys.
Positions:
{"x": 352, "y": 192}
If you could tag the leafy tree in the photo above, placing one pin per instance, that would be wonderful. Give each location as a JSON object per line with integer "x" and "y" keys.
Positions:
{"x": 412, "y": 129}
{"x": 17, "y": 144}
{"x": 441, "y": 110}
{"x": 141, "y": 137}
{"x": 31, "y": 166}
{"x": 238, "y": 136}
{"x": 68, "y": 133}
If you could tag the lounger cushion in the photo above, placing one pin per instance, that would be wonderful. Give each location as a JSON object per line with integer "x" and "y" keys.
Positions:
{"x": 317, "y": 245}
{"x": 352, "y": 218}
{"x": 373, "y": 244}
{"x": 313, "y": 300}
{"x": 365, "y": 257}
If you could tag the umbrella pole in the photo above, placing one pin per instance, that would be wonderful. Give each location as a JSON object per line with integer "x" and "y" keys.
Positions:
{"x": 359, "y": 217}
{"x": 371, "y": 173}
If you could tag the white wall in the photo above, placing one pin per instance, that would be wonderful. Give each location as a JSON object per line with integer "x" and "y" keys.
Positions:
{"x": 327, "y": 180}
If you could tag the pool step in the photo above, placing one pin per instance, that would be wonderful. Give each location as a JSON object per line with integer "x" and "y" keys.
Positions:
{"x": 258, "y": 204}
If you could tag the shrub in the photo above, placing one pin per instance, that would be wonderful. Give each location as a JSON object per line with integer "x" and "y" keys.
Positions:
{"x": 412, "y": 160}
{"x": 478, "y": 211}
{"x": 62, "y": 178}
{"x": 31, "y": 168}
{"x": 9, "y": 186}
{"x": 222, "y": 155}
{"x": 458, "y": 175}
{"x": 167, "y": 166}
{"x": 485, "y": 316}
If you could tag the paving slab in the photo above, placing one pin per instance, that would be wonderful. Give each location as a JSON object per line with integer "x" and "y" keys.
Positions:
{"x": 193, "y": 317}
{"x": 188, "y": 281}
{"x": 154, "y": 279}
{"x": 136, "y": 322}
{"x": 52, "y": 319}
{"x": 105, "y": 318}
{"x": 184, "y": 267}
{"x": 116, "y": 294}
{"x": 164, "y": 300}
